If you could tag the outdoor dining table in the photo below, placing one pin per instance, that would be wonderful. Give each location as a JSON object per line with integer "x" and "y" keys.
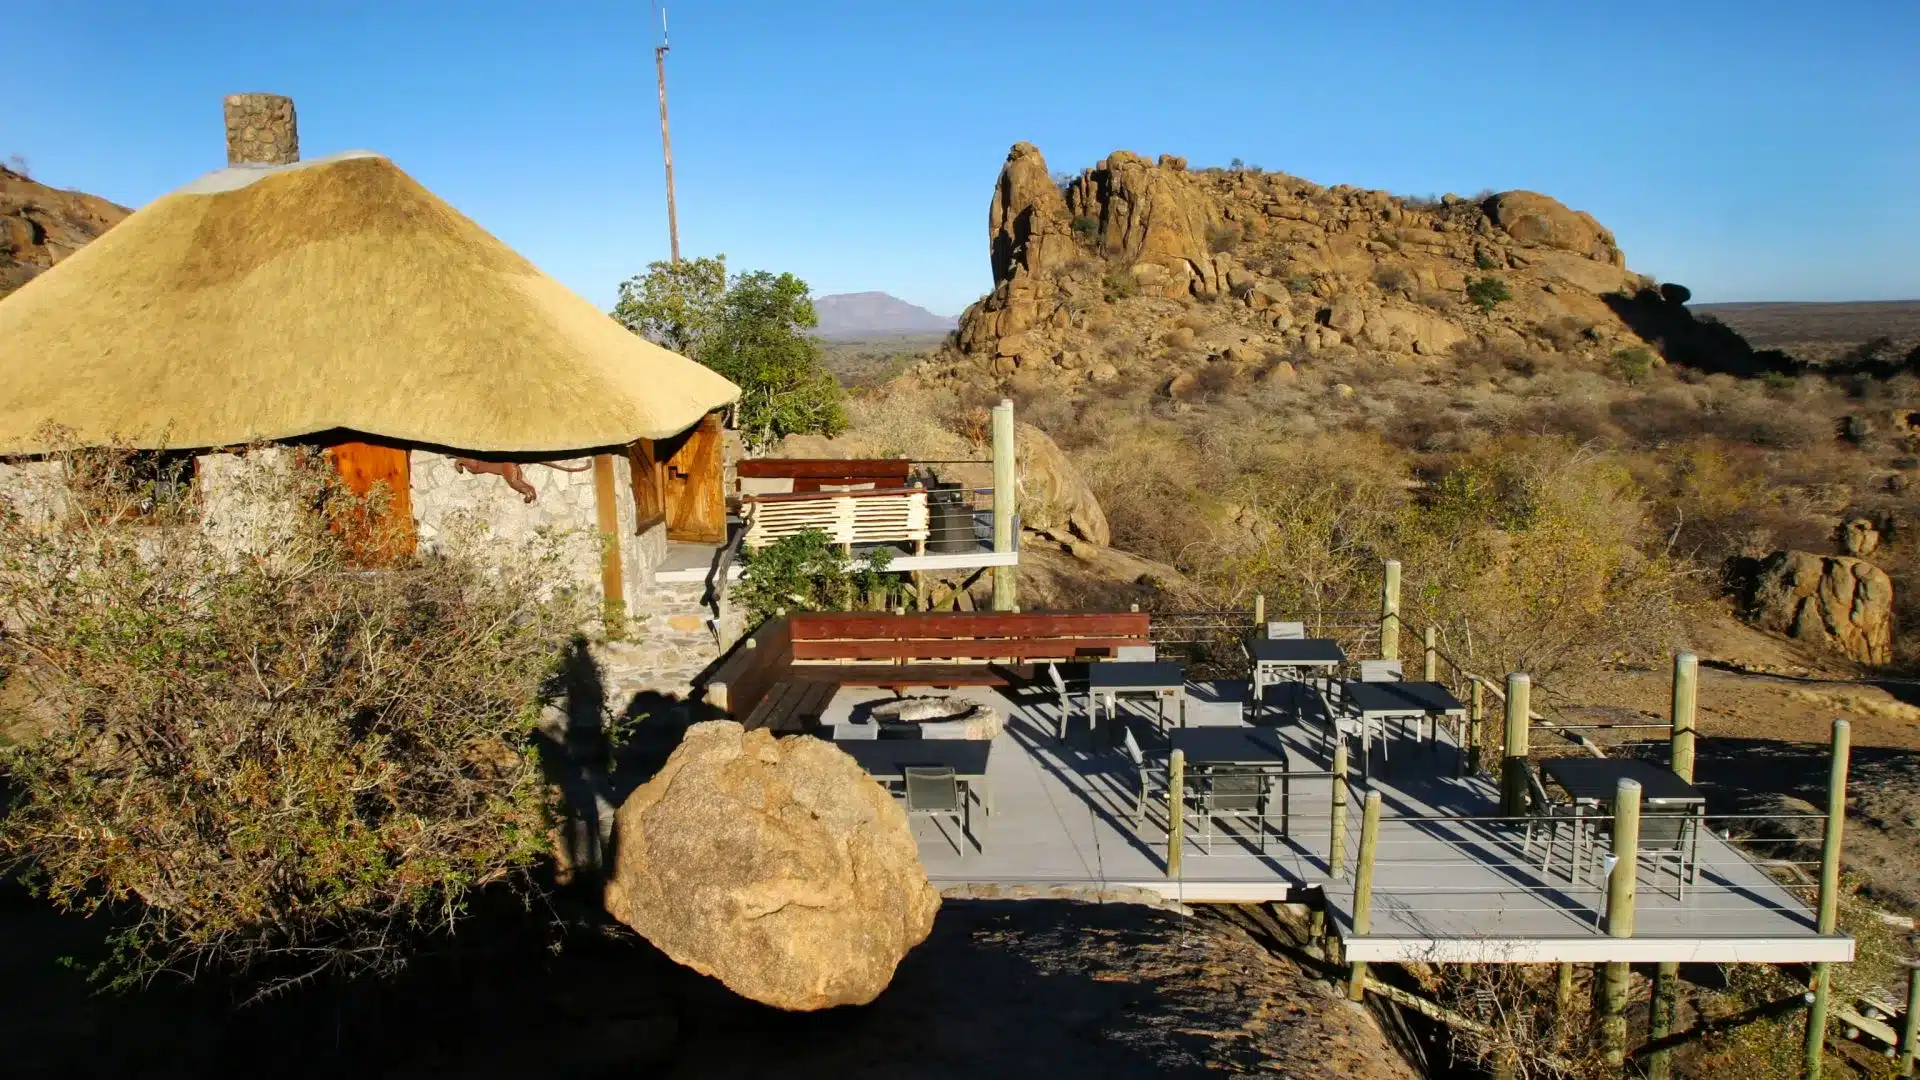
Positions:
{"x": 1592, "y": 784}
{"x": 1281, "y": 660}
{"x": 886, "y": 760}
{"x": 1385, "y": 701}
{"x": 1241, "y": 749}
{"x": 1164, "y": 680}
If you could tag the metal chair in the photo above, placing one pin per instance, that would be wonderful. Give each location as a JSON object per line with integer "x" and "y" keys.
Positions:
{"x": 1381, "y": 671}
{"x": 1671, "y": 834}
{"x": 1231, "y": 794}
{"x": 1151, "y": 774}
{"x": 1061, "y": 696}
{"x": 850, "y": 731}
{"x": 1136, "y": 653}
{"x": 933, "y": 791}
{"x": 1542, "y": 811}
{"x": 1286, "y": 631}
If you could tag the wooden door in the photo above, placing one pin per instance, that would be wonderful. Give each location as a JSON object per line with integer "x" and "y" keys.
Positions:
{"x": 692, "y": 473}
{"x": 382, "y": 538}
{"x": 649, "y": 501}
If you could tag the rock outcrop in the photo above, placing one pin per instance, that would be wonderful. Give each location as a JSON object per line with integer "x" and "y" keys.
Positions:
{"x": 40, "y": 225}
{"x": 1835, "y": 602}
{"x": 1282, "y": 265}
{"x": 776, "y": 866}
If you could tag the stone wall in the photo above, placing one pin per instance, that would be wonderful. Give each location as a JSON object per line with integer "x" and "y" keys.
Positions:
{"x": 36, "y": 489}
{"x": 261, "y": 130}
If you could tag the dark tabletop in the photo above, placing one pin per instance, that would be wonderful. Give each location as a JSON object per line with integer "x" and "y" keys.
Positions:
{"x": 890, "y": 757}
{"x": 1400, "y": 697}
{"x": 1591, "y": 779}
{"x": 1135, "y": 674}
{"x": 1229, "y": 745}
{"x": 1311, "y": 650}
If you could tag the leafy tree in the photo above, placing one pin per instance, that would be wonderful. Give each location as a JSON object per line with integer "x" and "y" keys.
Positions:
{"x": 750, "y": 327}
{"x": 807, "y": 572}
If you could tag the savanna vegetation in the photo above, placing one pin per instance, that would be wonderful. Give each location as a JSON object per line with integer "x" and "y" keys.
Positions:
{"x": 249, "y": 752}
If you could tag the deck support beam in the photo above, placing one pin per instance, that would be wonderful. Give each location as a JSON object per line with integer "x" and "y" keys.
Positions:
{"x": 1513, "y": 770}
{"x": 1176, "y": 809}
{"x": 1005, "y": 595}
{"x": 1390, "y": 612}
{"x": 1337, "y": 843}
{"x": 1620, "y": 890}
{"x": 1259, "y": 614}
{"x": 1363, "y": 891}
{"x": 1910, "y": 1033}
{"x": 1829, "y": 916}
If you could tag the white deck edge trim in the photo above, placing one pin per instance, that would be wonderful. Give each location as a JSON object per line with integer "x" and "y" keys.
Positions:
{"x": 1599, "y": 949}
{"x": 963, "y": 561}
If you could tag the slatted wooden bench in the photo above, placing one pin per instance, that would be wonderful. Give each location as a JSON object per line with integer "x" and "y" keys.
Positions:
{"x": 792, "y": 706}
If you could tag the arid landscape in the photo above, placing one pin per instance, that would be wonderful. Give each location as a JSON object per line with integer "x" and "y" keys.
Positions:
{"x": 1239, "y": 383}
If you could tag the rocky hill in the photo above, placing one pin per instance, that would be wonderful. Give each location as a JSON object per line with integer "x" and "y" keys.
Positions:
{"x": 40, "y": 225}
{"x": 1107, "y": 276}
{"x": 868, "y": 315}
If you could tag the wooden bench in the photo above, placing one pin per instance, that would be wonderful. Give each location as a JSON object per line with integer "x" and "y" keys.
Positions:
{"x": 785, "y": 674}
{"x": 809, "y": 474}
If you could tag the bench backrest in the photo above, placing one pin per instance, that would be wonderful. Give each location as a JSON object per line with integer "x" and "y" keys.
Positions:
{"x": 881, "y": 637}
{"x": 809, "y": 474}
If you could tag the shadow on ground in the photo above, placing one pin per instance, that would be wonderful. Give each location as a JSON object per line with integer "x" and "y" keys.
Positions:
{"x": 510, "y": 996}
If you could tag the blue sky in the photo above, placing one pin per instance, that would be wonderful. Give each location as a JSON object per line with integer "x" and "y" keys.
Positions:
{"x": 1753, "y": 151}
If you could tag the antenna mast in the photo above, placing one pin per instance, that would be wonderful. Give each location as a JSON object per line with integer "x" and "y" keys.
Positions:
{"x": 666, "y": 142}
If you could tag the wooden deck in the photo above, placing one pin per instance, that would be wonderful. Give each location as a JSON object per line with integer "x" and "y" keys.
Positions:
{"x": 1447, "y": 889}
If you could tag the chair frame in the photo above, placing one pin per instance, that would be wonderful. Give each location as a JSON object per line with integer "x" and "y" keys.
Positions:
{"x": 961, "y": 811}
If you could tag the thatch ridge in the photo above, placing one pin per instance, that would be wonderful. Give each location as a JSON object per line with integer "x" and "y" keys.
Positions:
{"x": 336, "y": 295}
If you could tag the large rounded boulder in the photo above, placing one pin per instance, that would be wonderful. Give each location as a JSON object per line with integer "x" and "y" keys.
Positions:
{"x": 774, "y": 865}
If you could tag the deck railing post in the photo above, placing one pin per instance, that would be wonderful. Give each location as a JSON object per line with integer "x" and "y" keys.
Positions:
{"x": 1910, "y": 1034}
{"x": 1686, "y": 690}
{"x": 1363, "y": 891}
{"x": 1515, "y": 751}
{"x": 1337, "y": 846}
{"x": 1433, "y": 655}
{"x": 1004, "y": 596}
{"x": 1620, "y": 888}
{"x": 1477, "y": 736}
{"x": 1390, "y": 612}
{"x": 1176, "y": 809}
{"x": 1260, "y": 614}
{"x": 1829, "y": 917}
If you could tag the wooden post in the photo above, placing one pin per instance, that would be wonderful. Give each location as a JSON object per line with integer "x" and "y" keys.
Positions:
{"x": 1686, "y": 691}
{"x": 1390, "y": 612}
{"x": 1433, "y": 655}
{"x": 1910, "y": 1034}
{"x": 1337, "y": 846}
{"x": 1660, "y": 1018}
{"x": 1563, "y": 993}
{"x": 666, "y": 143}
{"x": 613, "y": 590}
{"x": 1620, "y": 886}
{"x": 1829, "y": 917}
{"x": 1004, "y": 577}
{"x": 1176, "y": 809}
{"x": 1363, "y": 891}
{"x": 1477, "y": 735}
{"x": 1260, "y": 614}
{"x": 1514, "y": 753}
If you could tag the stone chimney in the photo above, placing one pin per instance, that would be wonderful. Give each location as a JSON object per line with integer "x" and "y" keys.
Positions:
{"x": 261, "y": 130}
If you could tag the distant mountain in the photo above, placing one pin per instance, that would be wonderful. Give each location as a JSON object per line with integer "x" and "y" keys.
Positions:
{"x": 856, "y": 316}
{"x": 40, "y": 225}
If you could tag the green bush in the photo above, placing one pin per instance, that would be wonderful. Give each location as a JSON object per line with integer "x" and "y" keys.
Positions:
{"x": 1392, "y": 278}
{"x": 1484, "y": 261}
{"x": 807, "y": 572}
{"x": 260, "y": 749}
{"x": 1223, "y": 238}
{"x": 1488, "y": 293}
{"x": 1085, "y": 228}
{"x": 1633, "y": 365}
{"x": 1779, "y": 380}
{"x": 1119, "y": 284}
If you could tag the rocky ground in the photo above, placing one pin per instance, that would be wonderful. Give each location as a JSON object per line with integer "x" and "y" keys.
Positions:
{"x": 40, "y": 225}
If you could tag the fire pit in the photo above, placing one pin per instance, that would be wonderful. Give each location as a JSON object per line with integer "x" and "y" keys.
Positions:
{"x": 938, "y": 716}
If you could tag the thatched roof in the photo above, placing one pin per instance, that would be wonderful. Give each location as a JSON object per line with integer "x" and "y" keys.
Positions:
{"x": 273, "y": 302}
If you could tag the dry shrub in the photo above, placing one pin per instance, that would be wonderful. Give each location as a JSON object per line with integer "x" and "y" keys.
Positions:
{"x": 256, "y": 750}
